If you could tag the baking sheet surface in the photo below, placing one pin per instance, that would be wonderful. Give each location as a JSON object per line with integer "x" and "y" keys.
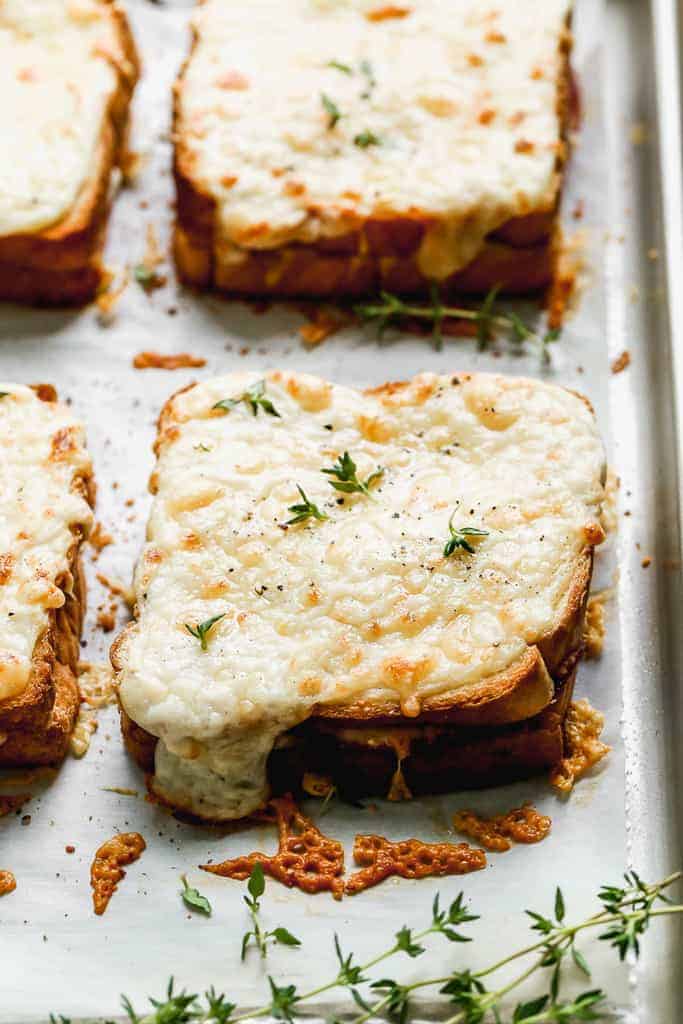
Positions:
{"x": 55, "y": 955}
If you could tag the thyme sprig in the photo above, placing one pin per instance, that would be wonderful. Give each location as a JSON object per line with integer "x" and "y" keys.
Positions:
{"x": 625, "y": 914}
{"x": 256, "y": 887}
{"x": 389, "y": 310}
{"x": 307, "y": 509}
{"x": 202, "y": 629}
{"x": 459, "y": 538}
{"x": 345, "y": 471}
{"x": 254, "y": 397}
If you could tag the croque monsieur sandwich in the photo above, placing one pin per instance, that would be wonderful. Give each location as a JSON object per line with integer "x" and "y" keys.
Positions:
{"x": 46, "y": 493}
{"x": 67, "y": 72}
{"x": 345, "y": 582}
{"x": 335, "y": 147}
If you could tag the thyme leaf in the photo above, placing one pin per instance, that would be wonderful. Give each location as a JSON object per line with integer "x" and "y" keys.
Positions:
{"x": 284, "y": 998}
{"x": 254, "y": 397}
{"x": 193, "y": 899}
{"x": 305, "y": 510}
{"x": 366, "y": 138}
{"x": 332, "y": 110}
{"x": 338, "y": 65}
{"x": 368, "y": 73}
{"x": 459, "y": 538}
{"x": 344, "y": 469}
{"x": 202, "y": 629}
{"x": 148, "y": 277}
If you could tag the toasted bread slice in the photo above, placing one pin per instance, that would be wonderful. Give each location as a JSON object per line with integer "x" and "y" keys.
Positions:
{"x": 415, "y": 555}
{"x": 321, "y": 151}
{"x": 68, "y": 73}
{"x": 45, "y": 504}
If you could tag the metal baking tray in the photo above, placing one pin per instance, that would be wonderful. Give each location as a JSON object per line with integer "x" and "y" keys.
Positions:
{"x": 55, "y": 955}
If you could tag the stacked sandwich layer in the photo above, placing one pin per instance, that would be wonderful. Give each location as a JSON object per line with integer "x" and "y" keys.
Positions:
{"x": 428, "y": 602}
{"x": 67, "y": 71}
{"x": 335, "y": 148}
{"x": 46, "y": 492}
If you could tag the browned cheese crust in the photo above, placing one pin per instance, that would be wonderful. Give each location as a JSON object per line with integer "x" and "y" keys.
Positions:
{"x": 519, "y": 258}
{"x": 61, "y": 265}
{"x": 35, "y": 726}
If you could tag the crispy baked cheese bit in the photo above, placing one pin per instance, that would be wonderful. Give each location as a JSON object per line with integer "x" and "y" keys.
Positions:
{"x": 321, "y": 149}
{"x": 306, "y": 858}
{"x": 66, "y": 74}
{"x": 45, "y": 493}
{"x": 420, "y": 552}
{"x": 107, "y": 868}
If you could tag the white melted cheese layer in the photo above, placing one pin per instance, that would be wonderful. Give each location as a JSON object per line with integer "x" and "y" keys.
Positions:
{"x": 42, "y": 450}
{"x": 461, "y": 96}
{"x": 57, "y": 76}
{"x": 363, "y": 604}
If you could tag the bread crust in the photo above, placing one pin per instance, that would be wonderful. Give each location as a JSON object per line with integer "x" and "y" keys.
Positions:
{"x": 35, "y": 726}
{"x": 377, "y": 253}
{"x": 60, "y": 265}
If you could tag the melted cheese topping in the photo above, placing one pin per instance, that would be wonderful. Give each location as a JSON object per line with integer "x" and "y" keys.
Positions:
{"x": 42, "y": 451}
{"x": 461, "y": 93}
{"x": 58, "y": 72}
{"x": 363, "y": 604}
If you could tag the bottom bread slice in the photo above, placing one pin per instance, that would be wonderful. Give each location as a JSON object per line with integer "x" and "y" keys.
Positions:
{"x": 49, "y": 744}
{"x": 399, "y": 762}
{"x": 304, "y": 272}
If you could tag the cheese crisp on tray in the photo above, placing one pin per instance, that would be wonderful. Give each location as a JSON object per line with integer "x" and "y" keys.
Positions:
{"x": 334, "y": 577}
{"x": 331, "y": 148}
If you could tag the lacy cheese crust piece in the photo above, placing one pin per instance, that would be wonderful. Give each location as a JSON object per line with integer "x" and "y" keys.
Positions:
{"x": 323, "y": 150}
{"x": 67, "y": 70}
{"x": 249, "y": 624}
{"x": 46, "y": 492}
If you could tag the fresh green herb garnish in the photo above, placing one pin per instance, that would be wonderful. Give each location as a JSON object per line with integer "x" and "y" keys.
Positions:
{"x": 344, "y": 469}
{"x": 389, "y": 310}
{"x": 306, "y": 510}
{"x": 193, "y": 899}
{"x": 458, "y": 538}
{"x": 254, "y": 397}
{"x": 202, "y": 629}
{"x": 142, "y": 273}
{"x": 366, "y": 138}
{"x": 147, "y": 277}
{"x": 369, "y": 74}
{"x": 346, "y": 69}
{"x": 625, "y": 914}
{"x": 256, "y": 887}
{"x": 333, "y": 111}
